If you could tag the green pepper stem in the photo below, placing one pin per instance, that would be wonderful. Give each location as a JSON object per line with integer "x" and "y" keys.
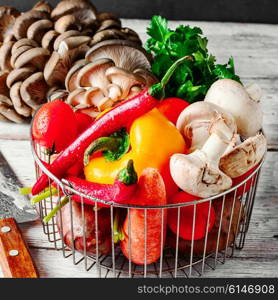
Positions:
{"x": 54, "y": 211}
{"x": 158, "y": 90}
{"x": 101, "y": 144}
{"x": 117, "y": 229}
{"x": 42, "y": 196}
{"x": 128, "y": 174}
{"x": 25, "y": 190}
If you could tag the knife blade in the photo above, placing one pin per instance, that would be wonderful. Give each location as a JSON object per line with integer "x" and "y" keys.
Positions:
{"x": 12, "y": 204}
{"x": 15, "y": 257}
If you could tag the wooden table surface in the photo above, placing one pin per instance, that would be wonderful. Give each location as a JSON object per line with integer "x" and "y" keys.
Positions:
{"x": 255, "y": 50}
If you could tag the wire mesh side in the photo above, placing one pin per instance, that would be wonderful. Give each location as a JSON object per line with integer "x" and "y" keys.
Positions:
{"x": 176, "y": 257}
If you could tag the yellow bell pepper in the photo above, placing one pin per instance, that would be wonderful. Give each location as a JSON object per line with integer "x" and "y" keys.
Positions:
{"x": 153, "y": 139}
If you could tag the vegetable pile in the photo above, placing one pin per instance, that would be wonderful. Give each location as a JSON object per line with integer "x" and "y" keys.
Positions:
{"x": 149, "y": 150}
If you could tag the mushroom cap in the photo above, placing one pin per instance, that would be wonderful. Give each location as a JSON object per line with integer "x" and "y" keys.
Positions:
{"x": 244, "y": 157}
{"x": 4, "y": 90}
{"x": 35, "y": 56}
{"x": 56, "y": 69}
{"x": 23, "y": 22}
{"x": 20, "y": 107}
{"x": 24, "y": 42}
{"x": 63, "y": 36}
{"x": 71, "y": 78}
{"x": 107, "y": 34}
{"x": 18, "y": 52}
{"x": 66, "y": 23}
{"x": 109, "y": 24}
{"x": 10, "y": 114}
{"x": 71, "y": 7}
{"x": 106, "y": 16}
{"x": 8, "y": 16}
{"x": 37, "y": 30}
{"x": 76, "y": 98}
{"x": 196, "y": 120}
{"x": 93, "y": 74}
{"x": 19, "y": 75}
{"x": 5, "y": 100}
{"x": 49, "y": 39}
{"x": 232, "y": 96}
{"x": 74, "y": 41}
{"x": 193, "y": 174}
{"x": 125, "y": 54}
{"x": 56, "y": 93}
{"x": 43, "y": 6}
{"x": 33, "y": 90}
{"x": 5, "y": 56}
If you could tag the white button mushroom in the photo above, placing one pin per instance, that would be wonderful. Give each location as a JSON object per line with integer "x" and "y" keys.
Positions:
{"x": 198, "y": 173}
{"x": 234, "y": 98}
{"x": 196, "y": 120}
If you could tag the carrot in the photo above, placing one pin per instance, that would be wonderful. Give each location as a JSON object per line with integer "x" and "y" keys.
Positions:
{"x": 150, "y": 191}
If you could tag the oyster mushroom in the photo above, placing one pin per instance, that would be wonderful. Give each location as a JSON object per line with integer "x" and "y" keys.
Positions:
{"x": 17, "y": 53}
{"x": 66, "y": 23}
{"x": 196, "y": 120}
{"x": 5, "y": 56}
{"x": 24, "y": 21}
{"x": 10, "y": 114}
{"x": 5, "y": 100}
{"x": 76, "y": 98}
{"x": 20, "y": 107}
{"x": 198, "y": 173}
{"x": 124, "y": 79}
{"x": 19, "y": 75}
{"x": 110, "y": 23}
{"x": 93, "y": 74}
{"x": 43, "y": 6}
{"x": 56, "y": 93}
{"x": 36, "y": 57}
{"x": 74, "y": 41}
{"x": 33, "y": 90}
{"x": 243, "y": 157}
{"x": 125, "y": 54}
{"x": 49, "y": 39}
{"x": 234, "y": 98}
{"x": 71, "y": 78}
{"x": 24, "y": 42}
{"x": 72, "y": 7}
{"x": 63, "y": 36}
{"x": 8, "y": 16}
{"x": 37, "y": 30}
{"x": 107, "y": 34}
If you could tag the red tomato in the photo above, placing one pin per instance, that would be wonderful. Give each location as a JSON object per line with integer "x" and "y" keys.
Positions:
{"x": 172, "y": 107}
{"x": 55, "y": 125}
{"x": 83, "y": 121}
{"x": 186, "y": 217}
{"x": 248, "y": 183}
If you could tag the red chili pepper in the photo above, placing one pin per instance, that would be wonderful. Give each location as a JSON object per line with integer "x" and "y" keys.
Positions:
{"x": 186, "y": 217}
{"x": 172, "y": 107}
{"x": 119, "y": 192}
{"x": 108, "y": 123}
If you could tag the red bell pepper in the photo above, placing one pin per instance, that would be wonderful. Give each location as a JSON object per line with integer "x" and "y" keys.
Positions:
{"x": 108, "y": 123}
{"x": 186, "y": 217}
{"x": 172, "y": 107}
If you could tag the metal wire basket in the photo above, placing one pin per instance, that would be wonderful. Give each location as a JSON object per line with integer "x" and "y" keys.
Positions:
{"x": 178, "y": 258}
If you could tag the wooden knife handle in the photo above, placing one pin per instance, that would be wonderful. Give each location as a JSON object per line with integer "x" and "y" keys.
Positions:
{"x": 15, "y": 258}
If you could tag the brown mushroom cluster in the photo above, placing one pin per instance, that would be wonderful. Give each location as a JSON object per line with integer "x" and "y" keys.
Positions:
{"x": 40, "y": 46}
{"x": 112, "y": 71}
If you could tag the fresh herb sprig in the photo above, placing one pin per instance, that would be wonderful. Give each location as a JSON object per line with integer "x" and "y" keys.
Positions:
{"x": 192, "y": 78}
